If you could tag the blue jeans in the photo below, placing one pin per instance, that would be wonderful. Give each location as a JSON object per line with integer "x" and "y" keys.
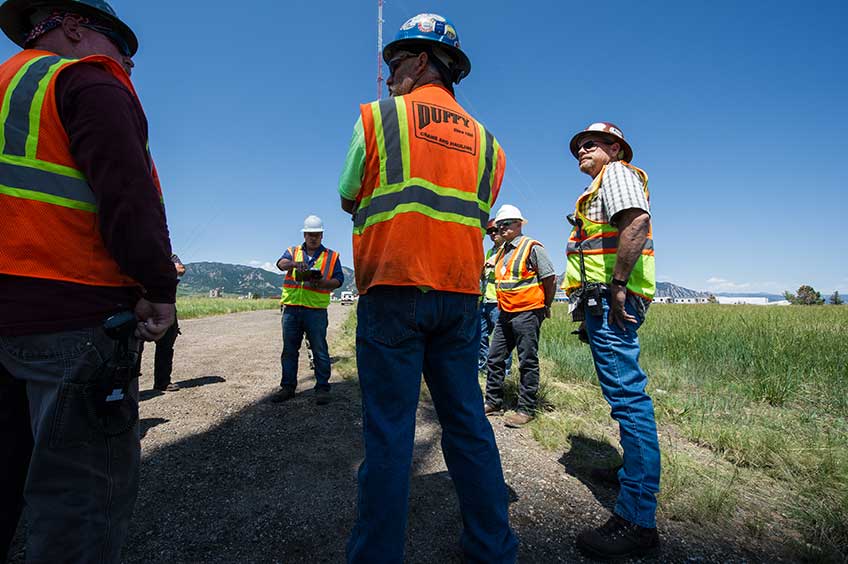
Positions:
{"x": 401, "y": 333}
{"x": 616, "y": 355}
{"x": 489, "y": 312}
{"x": 78, "y": 485}
{"x": 296, "y": 321}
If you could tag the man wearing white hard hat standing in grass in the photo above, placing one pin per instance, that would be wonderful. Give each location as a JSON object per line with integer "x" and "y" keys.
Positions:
{"x": 610, "y": 282}
{"x": 526, "y": 283}
{"x": 312, "y": 273}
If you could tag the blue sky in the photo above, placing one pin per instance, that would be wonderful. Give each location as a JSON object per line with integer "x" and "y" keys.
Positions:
{"x": 736, "y": 110}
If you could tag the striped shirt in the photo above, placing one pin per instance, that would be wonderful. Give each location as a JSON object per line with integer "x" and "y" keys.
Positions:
{"x": 620, "y": 189}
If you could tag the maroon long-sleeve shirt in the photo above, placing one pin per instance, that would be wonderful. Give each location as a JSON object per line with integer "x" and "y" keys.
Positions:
{"x": 108, "y": 133}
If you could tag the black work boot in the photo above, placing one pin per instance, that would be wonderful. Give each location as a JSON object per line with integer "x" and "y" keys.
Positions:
{"x": 618, "y": 539}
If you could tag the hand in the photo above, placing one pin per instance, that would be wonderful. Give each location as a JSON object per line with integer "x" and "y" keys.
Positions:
{"x": 547, "y": 312}
{"x": 301, "y": 266}
{"x": 618, "y": 315}
{"x": 154, "y": 319}
{"x": 180, "y": 268}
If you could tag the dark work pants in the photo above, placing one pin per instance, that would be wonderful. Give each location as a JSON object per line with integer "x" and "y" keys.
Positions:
{"x": 163, "y": 362}
{"x": 515, "y": 330}
{"x": 79, "y": 484}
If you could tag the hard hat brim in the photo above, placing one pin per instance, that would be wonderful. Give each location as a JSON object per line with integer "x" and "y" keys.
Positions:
{"x": 14, "y": 19}
{"x": 463, "y": 63}
{"x": 625, "y": 146}
{"x": 311, "y": 230}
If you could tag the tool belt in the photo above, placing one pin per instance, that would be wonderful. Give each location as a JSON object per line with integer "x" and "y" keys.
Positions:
{"x": 587, "y": 299}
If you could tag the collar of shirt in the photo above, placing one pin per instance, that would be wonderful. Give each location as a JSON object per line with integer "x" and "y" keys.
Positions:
{"x": 509, "y": 245}
{"x": 310, "y": 260}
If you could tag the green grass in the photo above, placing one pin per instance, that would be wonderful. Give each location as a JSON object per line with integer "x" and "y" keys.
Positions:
{"x": 761, "y": 392}
{"x": 198, "y": 306}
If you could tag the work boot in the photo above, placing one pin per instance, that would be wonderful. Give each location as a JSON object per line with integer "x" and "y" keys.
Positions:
{"x": 491, "y": 410}
{"x": 167, "y": 388}
{"x": 285, "y": 393}
{"x": 322, "y": 396}
{"x": 517, "y": 419}
{"x": 618, "y": 539}
{"x": 608, "y": 476}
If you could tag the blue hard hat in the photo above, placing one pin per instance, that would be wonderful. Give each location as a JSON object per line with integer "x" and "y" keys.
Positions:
{"x": 425, "y": 30}
{"x": 15, "y": 17}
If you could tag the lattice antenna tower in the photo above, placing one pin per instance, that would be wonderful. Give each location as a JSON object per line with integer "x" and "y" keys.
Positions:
{"x": 379, "y": 49}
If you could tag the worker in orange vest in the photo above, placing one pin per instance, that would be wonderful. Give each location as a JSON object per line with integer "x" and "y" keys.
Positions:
{"x": 525, "y": 281}
{"x": 85, "y": 272}
{"x": 420, "y": 178}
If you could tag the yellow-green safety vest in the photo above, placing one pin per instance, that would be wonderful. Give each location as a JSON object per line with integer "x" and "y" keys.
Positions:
{"x": 600, "y": 247}
{"x": 298, "y": 292}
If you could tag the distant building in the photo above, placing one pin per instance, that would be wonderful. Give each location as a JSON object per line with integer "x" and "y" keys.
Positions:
{"x": 742, "y": 300}
{"x": 216, "y": 293}
{"x": 664, "y": 300}
{"x": 560, "y": 296}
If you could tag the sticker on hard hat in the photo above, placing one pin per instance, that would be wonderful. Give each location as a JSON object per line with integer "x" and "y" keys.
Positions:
{"x": 445, "y": 127}
{"x": 450, "y": 32}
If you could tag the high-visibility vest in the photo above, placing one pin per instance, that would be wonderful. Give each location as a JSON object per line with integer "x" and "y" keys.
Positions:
{"x": 49, "y": 226}
{"x": 518, "y": 287}
{"x": 490, "y": 293}
{"x": 600, "y": 247}
{"x": 432, "y": 173}
{"x": 298, "y": 292}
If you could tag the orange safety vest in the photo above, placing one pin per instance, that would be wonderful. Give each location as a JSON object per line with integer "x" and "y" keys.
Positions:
{"x": 432, "y": 173}
{"x": 49, "y": 227}
{"x": 297, "y": 293}
{"x": 518, "y": 287}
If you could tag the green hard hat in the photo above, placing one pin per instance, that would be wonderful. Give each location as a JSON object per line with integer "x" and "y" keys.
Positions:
{"x": 15, "y": 17}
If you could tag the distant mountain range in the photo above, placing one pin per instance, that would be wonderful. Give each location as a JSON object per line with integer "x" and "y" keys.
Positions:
{"x": 238, "y": 279}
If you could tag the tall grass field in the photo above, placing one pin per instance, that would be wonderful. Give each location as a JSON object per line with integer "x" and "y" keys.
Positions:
{"x": 200, "y": 306}
{"x": 752, "y": 406}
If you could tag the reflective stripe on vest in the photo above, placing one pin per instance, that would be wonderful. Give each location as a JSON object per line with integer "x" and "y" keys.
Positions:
{"x": 518, "y": 287}
{"x": 599, "y": 242}
{"x": 296, "y": 293}
{"x": 431, "y": 175}
{"x": 21, "y": 174}
{"x": 50, "y": 228}
{"x": 398, "y": 193}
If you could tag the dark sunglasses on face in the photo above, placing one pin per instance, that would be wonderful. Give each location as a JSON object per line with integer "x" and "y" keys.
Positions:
{"x": 591, "y": 144}
{"x": 113, "y": 36}
{"x": 395, "y": 63}
{"x": 492, "y": 231}
{"x": 505, "y": 223}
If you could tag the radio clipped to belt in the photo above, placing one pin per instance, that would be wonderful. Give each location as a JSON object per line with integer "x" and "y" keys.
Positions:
{"x": 113, "y": 409}
{"x": 586, "y": 298}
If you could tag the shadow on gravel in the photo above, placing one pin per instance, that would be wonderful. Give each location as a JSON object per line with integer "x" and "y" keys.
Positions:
{"x": 190, "y": 383}
{"x": 277, "y": 483}
{"x": 585, "y": 454}
{"x": 145, "y": 425}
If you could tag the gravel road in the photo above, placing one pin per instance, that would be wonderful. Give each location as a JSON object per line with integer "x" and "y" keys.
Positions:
{"x": 229, "y": 477}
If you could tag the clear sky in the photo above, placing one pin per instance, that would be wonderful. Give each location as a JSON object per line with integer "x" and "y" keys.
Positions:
{"x": 737, "y": 110}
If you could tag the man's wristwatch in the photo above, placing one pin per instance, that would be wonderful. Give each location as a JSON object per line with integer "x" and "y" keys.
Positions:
{"x": 617, "y": 282}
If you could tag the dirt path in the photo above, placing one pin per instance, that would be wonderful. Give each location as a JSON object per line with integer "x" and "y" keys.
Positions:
{"x": 229, "y": 477}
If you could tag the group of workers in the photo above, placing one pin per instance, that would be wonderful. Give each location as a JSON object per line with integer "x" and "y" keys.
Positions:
{"x": 85, "y": 240}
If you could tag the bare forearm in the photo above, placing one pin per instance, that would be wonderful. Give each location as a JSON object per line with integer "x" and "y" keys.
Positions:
{"x": 631, "y": 241}
{"x": 285, "y": 264}
{"x": 348, "y": 205}
{"x": 549, "y": 287}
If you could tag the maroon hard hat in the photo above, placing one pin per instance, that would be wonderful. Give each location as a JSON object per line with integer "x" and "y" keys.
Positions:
{"x": 607, "y": 129}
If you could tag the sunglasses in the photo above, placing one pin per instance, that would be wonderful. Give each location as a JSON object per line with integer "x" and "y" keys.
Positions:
{"x": 491, "y": 231}
{"x": 113, "y": 36}
{"x": 591, "y": 144}
{"x": 505, "y": 223}
{"x": 394, "y": 64}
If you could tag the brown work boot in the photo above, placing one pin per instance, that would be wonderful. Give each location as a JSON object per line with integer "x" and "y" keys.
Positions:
{"x": 619, "y": 539}
{"x": 491, "y": 410}
{"x": 517, "y": 419}
{"x": 284, "y": 394}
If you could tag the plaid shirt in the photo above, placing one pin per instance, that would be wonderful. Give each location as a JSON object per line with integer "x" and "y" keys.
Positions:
{"x": 620, "y": 189}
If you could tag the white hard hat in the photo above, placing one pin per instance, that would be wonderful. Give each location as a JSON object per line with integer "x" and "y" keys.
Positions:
{"x": 312, "y": 224}
{"x": 508, "y": 211}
